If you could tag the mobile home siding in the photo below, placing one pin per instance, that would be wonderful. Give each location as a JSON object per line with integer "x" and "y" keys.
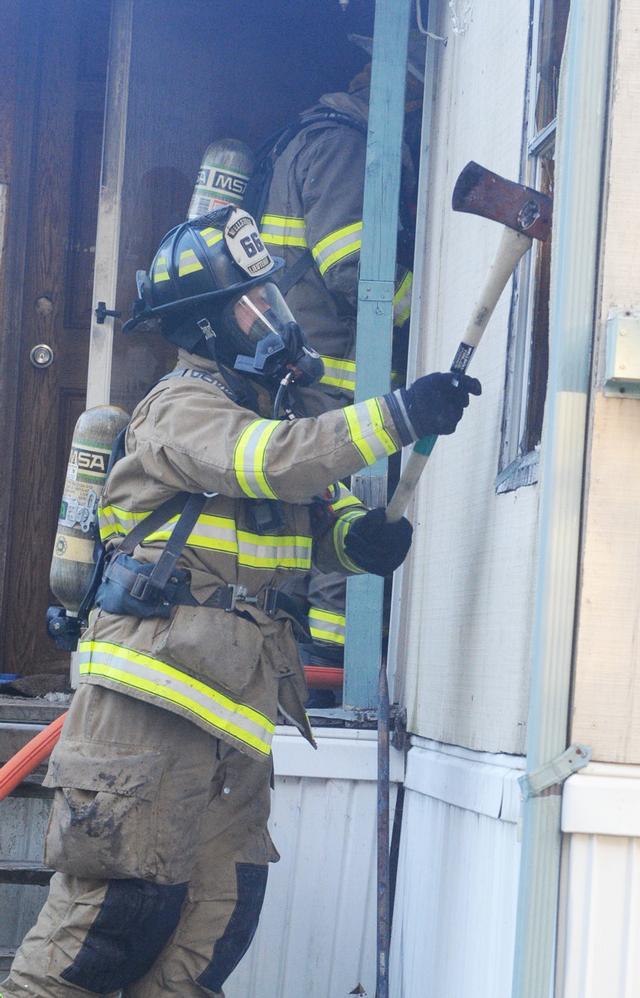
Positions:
{"x": 468, "y": 588}
{"x": 607, "y": 677}
{"x": 458, "y": 876}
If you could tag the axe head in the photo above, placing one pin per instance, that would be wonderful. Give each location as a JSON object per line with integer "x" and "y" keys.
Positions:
{"x": 481, "y": 192}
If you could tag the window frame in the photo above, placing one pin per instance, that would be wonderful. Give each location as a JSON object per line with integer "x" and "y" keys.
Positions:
{"x": 524, "y": 400}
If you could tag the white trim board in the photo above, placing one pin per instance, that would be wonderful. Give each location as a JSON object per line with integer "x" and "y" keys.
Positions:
{"x": 342, "y": 754}
{"x": 473, "y": 781}
{"x": 603, "y": 799}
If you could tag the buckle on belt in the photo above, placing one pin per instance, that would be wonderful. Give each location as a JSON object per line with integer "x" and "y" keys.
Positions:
{"x": 238, "y": 594}
{"x": 265, "y": 601}
{"x": 143, "y": 589}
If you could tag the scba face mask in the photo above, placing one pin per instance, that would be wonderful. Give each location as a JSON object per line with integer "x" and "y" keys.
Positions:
{"x": 269, "y": 343}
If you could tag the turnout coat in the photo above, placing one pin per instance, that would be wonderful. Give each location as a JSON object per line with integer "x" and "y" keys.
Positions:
{"x": 314, "y": 205}
{"x": 228, "y": 671}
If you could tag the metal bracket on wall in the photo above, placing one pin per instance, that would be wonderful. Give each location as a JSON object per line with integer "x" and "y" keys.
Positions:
{"x": 552, "y": 775}
{"x": 622, "y": 370}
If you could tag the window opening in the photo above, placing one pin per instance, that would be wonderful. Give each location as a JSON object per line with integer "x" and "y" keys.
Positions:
{"x": 528, "y": 353}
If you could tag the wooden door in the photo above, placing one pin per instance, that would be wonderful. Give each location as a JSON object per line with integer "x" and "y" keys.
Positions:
{"x": 58, "y": 123}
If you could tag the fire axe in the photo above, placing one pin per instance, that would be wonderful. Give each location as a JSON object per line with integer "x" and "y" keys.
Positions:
{"x": 526, "y": 215}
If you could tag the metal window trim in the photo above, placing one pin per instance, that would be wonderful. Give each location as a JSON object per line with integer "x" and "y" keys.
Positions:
{"x": 515, "y": 470}
{"x": 581, "y": 158}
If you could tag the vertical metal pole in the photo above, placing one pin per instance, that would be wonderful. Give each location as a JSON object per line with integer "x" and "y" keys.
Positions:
{"x": 574, "y": 278}
{"x": 384, "y": 873}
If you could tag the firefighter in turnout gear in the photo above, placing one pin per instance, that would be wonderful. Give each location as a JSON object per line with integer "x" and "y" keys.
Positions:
{"x": 158, "y": 830}
{"x": 313, "y": 217}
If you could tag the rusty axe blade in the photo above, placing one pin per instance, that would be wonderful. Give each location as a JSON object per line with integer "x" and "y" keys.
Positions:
{"x": 481, "y": 192}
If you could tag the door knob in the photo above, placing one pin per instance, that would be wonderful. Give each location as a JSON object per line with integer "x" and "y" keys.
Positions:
{"x": 41, "y": 355}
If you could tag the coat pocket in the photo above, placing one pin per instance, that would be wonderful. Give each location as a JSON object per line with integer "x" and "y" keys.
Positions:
{"x": 221, "y": 647}
{"x": 104, "y": 820}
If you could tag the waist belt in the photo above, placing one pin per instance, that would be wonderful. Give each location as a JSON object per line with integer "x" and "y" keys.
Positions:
{"x": 136, "y": 579}
{"x": 269, "y": 600}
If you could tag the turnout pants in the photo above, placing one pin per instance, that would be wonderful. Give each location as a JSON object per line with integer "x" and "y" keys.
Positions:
{"x": 158, "y": 836}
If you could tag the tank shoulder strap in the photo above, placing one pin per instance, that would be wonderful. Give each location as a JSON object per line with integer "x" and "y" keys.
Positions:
{"x": 257, "y": 192}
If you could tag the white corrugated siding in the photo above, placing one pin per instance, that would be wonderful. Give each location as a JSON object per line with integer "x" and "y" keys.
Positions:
{"x": 454, "y": 917}
{"x": 317, "y": 932}
{"x": 598, "y": 952}
{"x": 23, "y": 822}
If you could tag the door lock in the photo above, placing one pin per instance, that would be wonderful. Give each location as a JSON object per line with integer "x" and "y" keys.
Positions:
{"x": 41, "y": 355}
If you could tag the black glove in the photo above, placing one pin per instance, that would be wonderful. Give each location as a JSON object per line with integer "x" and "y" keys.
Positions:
{"x": 435, "y": 404}
{"x": 377, "y": 546}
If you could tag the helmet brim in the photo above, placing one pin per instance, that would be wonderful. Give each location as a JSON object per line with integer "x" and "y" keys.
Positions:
{"x": 159, "y": 310}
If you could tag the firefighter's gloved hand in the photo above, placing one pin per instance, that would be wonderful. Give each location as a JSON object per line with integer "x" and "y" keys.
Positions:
{"x": 435, "y": 404}
{"x": 377, "y": 546}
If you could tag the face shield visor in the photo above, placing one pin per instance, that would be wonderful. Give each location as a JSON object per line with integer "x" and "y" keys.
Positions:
{"x": 267, "y": 340}
{"x": 258, "y": 313}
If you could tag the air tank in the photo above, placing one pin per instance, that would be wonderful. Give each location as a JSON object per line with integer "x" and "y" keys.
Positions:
{"x": 223, "y": 176}
{"x": 72, "y": 561}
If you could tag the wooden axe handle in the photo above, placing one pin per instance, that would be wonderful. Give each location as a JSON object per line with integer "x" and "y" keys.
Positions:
{"x": 513, "y": 245}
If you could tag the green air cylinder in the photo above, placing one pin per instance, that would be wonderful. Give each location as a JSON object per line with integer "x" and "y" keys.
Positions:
{"x": 72, "y": 561}
{"x": 223, "y": 176}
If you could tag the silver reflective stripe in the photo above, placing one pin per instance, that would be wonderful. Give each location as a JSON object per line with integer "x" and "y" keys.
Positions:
{"x": 133, "y": 669}
{"x": 116, "y": 521}
{"x": 218, "y": 533}
{"x": 340, "y": 531}
{"x": 340, "y": 373}
{"x": 248, "y": 459}
{"x": 327, "y": 626}
{"x": 368, "y": 431}
{"x": 282, "y": 230}
{"x": 258, "y": 551}
{"x": 337, "y": 245}
{"x": 402, "y": 300}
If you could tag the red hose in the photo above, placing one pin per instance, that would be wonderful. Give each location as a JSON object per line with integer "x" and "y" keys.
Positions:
{"x": 30, "y": 755}
{"x": 322, "y": 677}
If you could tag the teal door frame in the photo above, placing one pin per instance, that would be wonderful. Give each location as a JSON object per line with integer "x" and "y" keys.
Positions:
{"x": 363, "y": 646}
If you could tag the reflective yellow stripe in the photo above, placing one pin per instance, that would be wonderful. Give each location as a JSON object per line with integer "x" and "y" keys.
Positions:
{"x": 337, "y": 245}
{"x": 211, "y": 236}
{"x": 218, "y": 533}
{"x": 340, "y": 532}
{"x": 151, "y": 675}
{"x": 326, "y": 626}
{"x": 248, "y": 459}
{"x": 189, "y": 263}
{"x": 345, "y": 499}
{"x": 402, "y": 300}
{"x": 368, "y": 432}
{"x": 116, "y": 521}
{"x": 387, "y": 441}
{"x": 340, "y": 373}
{"x": 281, "y": 230}
{"x": 160, "y": 272}
{"x": 276, "y": 551}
